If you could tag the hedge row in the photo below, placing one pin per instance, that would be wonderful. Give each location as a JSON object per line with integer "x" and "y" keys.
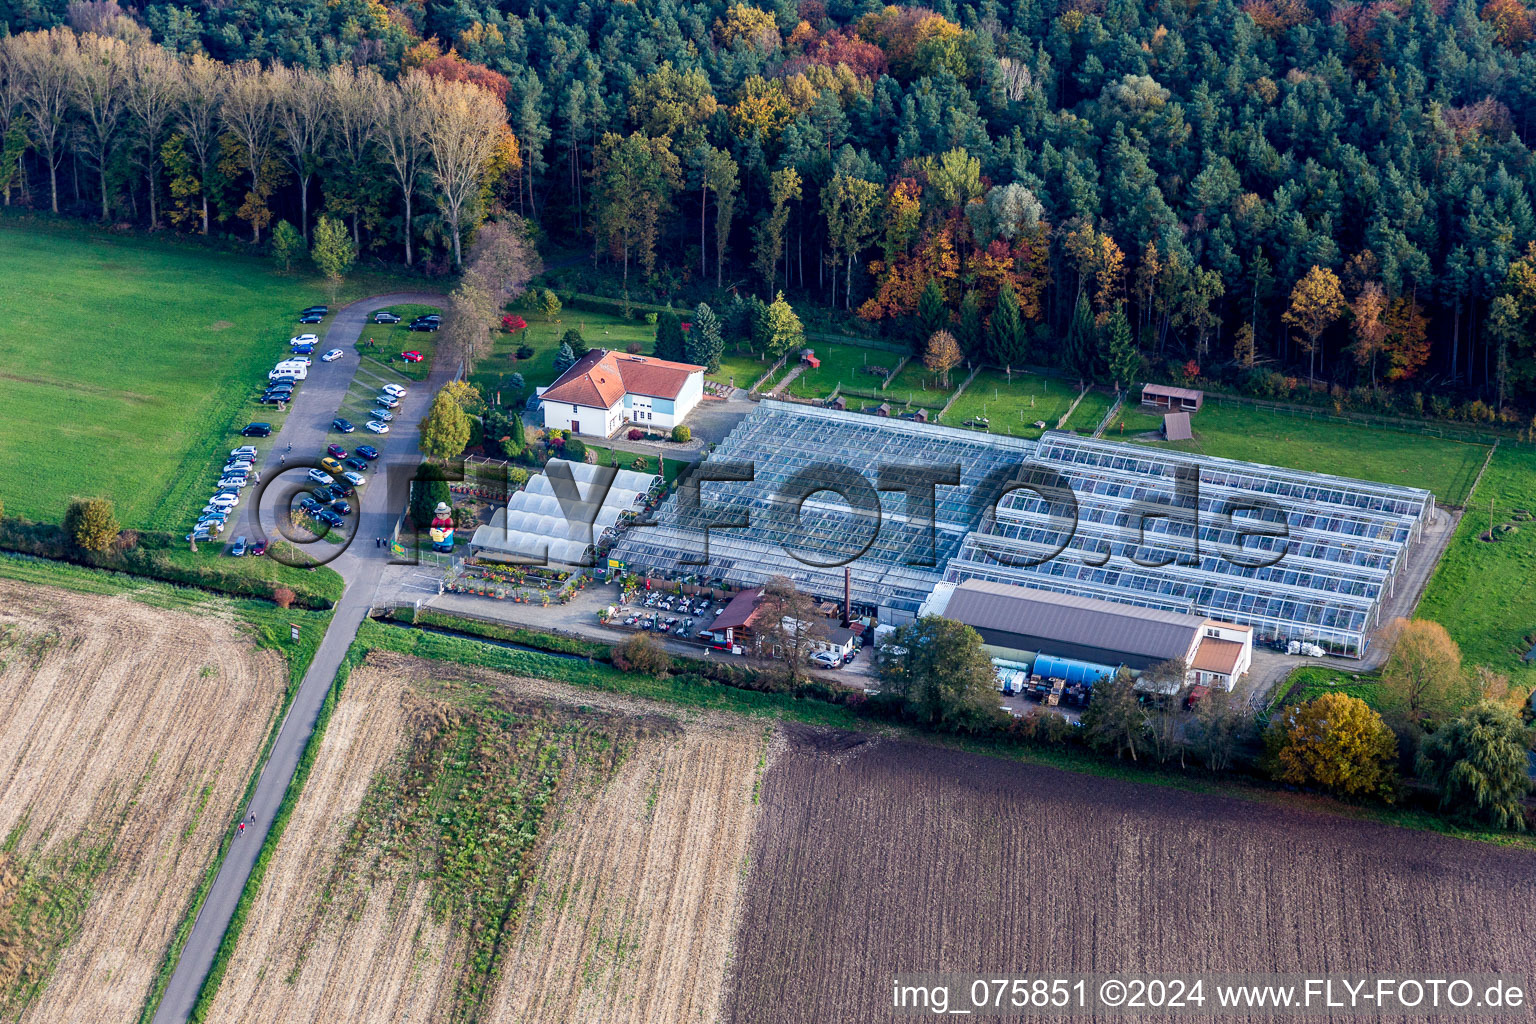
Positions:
{"x": 149, "y": 554}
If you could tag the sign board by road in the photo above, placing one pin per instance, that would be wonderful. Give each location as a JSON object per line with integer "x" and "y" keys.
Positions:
{"x": 293, "y": 631}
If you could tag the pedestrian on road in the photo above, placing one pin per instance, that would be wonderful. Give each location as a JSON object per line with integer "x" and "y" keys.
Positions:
{"x": 282, "y": 459}
{"x": 290, "y": 448}
{"x": 253, "y": 817}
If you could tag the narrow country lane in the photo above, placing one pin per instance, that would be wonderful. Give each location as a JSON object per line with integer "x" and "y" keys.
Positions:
{"x": 361, "y": 566}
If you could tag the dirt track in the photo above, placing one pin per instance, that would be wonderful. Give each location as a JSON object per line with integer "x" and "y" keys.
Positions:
{"x": 130, "y": 733}
{"x": 629, "y": 915}
{"x": 887, "y": 857}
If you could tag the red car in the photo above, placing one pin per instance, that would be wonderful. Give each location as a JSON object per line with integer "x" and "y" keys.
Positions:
{"x": 336, "y": 450}
{"x": 259, "y": 548}
{"x": 411, "y": 357}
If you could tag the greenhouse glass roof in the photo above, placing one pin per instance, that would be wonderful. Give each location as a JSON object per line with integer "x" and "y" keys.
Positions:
{"x": 1185, "y": 532}
{"x": 1293, "y": 554}
{"x": 799, "y": 529}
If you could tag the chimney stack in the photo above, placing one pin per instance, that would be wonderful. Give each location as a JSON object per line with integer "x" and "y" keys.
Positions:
{"x": 847, "y": 596}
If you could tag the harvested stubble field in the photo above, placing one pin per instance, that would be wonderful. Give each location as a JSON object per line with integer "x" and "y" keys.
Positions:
{"x": 472, "y": 845}
{"x": 880, "y": 857}
{"x": 129, "y": 737}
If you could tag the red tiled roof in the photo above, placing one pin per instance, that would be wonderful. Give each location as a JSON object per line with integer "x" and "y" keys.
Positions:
{"x": 593, "y": 381}
{"x": 655, "y": 378}
{"x": 739, "y": 611}
{"x": 600, "y": 379}
{"x": 1215, "y": 655}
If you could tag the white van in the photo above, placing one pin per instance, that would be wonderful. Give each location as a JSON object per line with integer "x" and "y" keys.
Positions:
{"x": 298, "y": 371}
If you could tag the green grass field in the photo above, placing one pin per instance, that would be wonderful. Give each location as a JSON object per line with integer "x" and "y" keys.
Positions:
{"x": 669, "y": 468}
{"x": 1089, "y": 412}
{"x": 741, "y": 369}
{"x": 1316, "y": 680}
{"x": 1132, "y": 419}
{"x": 839, "y": 363}
{"x": 1319, "y": 446}
{"x": 1484, "y": 593}
{"x": 130, "y": 364}
{"x": 1013, "y": 405}
{"x": 917, "y": 386}
{"x": 599, "y": 330}
{"x": 392, "y": 339}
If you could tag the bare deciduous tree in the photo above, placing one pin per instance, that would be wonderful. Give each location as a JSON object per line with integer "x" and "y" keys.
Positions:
{"x": 12, "y": 88}
{"x": 353, "y": 99}
{"x": 98, "y": 83}
{"x": 250, "y": 114}
{"x": 44, "y": 61}
{"x": 400, "y": 116}
{"x": 154, "y": 91}
{"x": 303, "y": 108}
{"x": 465, "y": 126}
{"x": 201, "y": 92}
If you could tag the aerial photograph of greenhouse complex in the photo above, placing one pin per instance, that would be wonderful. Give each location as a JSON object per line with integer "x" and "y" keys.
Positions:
{"x": 767, "y": 511}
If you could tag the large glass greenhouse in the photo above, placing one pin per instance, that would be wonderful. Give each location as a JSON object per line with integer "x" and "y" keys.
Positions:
{"x": 1295, "y": 555}
{"x": 794, "y": 450}
{"x": 1130, "y": 531}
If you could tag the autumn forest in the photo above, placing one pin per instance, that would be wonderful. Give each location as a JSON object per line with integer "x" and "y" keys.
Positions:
{"x": 1305, "y": 200}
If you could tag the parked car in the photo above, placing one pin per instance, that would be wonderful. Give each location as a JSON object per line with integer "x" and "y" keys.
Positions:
{"x": 355, "y": 479}
{"x": 331, "y": 355}
{"x": 311, "y": 310}
{"x": 383, "y": 415}
{"x": 345, "y": 426}
{"x": 367, "y": 451}
{"x": 259, "y": 548}
{"x": 212, "y": 512}
{"x": 285, "y": 372}
{"x": 245, "y": 449}
{"x": 330, "y": 465}
{"x": 411, "y": 357}
{"x": 342, "y": 489}
{"x": 423, "y": 325}
{"x": 298, "y": 360}
{"x": 335, "y": 451}
{"x": 394, "y": 390}
{"x": 341, "y": 506}
{"x": 200, "y": 534}
{"x": 311, "y": 318}
{"x": 303, "y": 339}
{"x": 303, "y": 350}
{"x": 319, "y": 477}
{"x": 257, "y": 430}
{"x": 238, "y": 550}
{"x": 826, "y": 659}
{"x": 377, "y": 427}
{"x": 281, "y": 398}
{"x": 384, "y": 316}
{"x": 360, "y": 465}
{"x": 385, "y": 401}
{"x": 325, "y": 495}
{"x": 309, "y": 504}
{"x": 329, "y": 518}
{"x": 224, "y": 500}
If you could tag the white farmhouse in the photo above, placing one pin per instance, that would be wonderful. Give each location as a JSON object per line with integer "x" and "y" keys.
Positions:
{"x": 604, "y": 390}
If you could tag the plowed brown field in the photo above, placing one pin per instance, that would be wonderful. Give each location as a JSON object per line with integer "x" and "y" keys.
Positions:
{"x": 878, "y": 858}
{"x": 630, "y": 900}
{"x": 128, "y": 735}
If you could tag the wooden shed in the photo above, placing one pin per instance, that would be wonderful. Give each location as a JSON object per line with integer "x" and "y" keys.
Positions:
{"x": 1176, "y": 427}
{"x": 1166, "y": 396}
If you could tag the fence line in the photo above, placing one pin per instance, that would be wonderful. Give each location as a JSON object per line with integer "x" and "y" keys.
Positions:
{"x": 892, "y": 375}
{"x": 959, "y": 391}
{"x": 1109, "y": 417}
{"x": 766, "y": 376}
{"x": 1469, "y": 435}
